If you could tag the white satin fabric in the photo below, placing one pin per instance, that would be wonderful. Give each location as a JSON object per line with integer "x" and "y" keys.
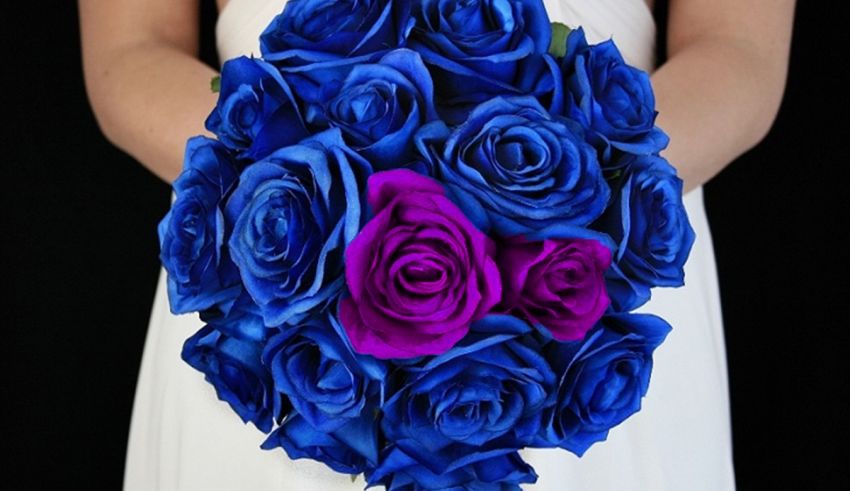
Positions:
{"x": 183, "y": 438}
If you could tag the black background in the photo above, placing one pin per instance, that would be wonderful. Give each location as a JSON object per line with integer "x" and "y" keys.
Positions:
{"x": 80, "y": 263}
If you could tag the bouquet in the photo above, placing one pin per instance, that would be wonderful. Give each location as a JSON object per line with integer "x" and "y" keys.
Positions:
{"x": 418, "y": 236}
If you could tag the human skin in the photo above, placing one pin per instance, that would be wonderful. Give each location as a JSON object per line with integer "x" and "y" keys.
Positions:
{"x": 717, "y": 93}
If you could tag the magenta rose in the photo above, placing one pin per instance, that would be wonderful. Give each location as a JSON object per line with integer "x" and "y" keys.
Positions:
{"x": 419, "y": 272}
{"x": 556, "y": 283}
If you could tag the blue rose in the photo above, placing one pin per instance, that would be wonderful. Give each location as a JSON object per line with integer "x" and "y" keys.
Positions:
{"x": 482, "y": 398}
{"x": 293, "y": 213}
{"x": 350, "y": 449}
{"x": 379, "y": 107}
{"x": 191, "y": 235}
{"x": 602, "y": 379}
{"x": 314, "y": 365}
{"x": 611, "y": 97}
{"x": 256, "y": 111}
{"x": 234, "y": 367}
{"x": 317, "y": 30}
{"x": 514, "y": 169}
{"x": 318, "y": 41}
{"x": 649, "y": 223}
{"x": 478, "y": 49}
{"x": 503, "y": 472}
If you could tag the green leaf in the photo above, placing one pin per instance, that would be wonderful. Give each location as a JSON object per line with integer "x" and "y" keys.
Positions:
{"x": 215, "y": 83}
{"x": 354, "y": 477}
{"x": 558, "y": 46}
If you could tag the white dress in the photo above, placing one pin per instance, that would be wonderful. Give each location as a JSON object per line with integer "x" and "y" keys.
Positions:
{"x": 183, "y": 438}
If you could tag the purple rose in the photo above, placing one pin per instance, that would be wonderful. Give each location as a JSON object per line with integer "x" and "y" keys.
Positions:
{"x": 419, "y": 272}
{"x": 558, "y": 284}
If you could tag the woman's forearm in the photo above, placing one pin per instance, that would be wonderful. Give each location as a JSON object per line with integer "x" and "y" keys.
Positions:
{"x": 715, "y": 100}
{"x": 720, "y": 89}
{"x": 147, "y": 87}
{"x": 149, "y": 98}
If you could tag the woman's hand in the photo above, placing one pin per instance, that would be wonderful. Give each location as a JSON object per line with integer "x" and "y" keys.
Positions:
{"x": 148, "y": 89}
{"x": 720, "y": 89}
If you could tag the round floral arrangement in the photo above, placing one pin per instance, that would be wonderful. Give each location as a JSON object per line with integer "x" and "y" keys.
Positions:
{"x": 418, "y": 236}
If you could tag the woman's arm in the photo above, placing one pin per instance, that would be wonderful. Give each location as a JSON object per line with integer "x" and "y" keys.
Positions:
{"x": 720, "y": 89}
{"x": 144, "y": 81}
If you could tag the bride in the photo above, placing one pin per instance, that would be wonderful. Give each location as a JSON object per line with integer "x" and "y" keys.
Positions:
{"x": 717, "y": 96}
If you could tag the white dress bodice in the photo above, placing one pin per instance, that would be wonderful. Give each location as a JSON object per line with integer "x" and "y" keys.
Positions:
{"x": 629, "y": 22}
